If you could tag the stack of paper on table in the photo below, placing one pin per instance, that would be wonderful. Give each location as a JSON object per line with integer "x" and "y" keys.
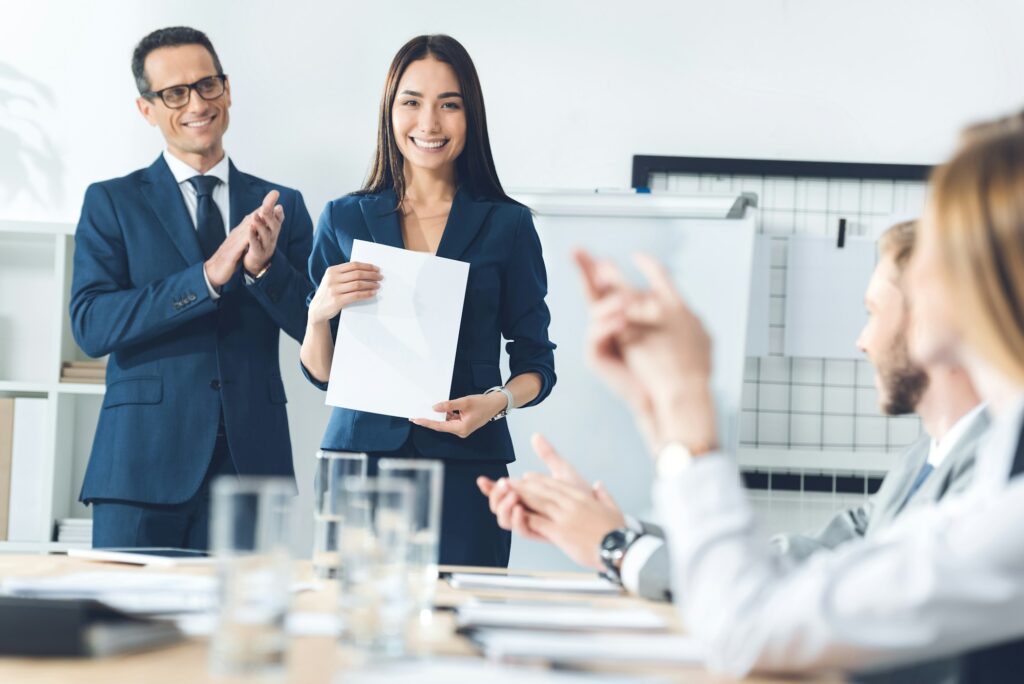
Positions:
{"x": 577, "y": 648}
{"x": 556, "y": 617}
{"x": 559, "y": 585}
{"x": 131, "y": 592}
{"x": 395, "y": 353}
{"x": 465, "y": 671}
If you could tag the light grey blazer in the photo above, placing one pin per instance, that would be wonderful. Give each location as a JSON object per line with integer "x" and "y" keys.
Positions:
{"x": 954, "y": 475}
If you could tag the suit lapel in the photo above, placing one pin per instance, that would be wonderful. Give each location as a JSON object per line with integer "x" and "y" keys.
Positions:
{"x": 245, "y": 195}
{"x": 382, "y": 219}
{"x": 464, "y": 222}
{"x": 164, "y": 196}
{"x": 957, "y": 463}
{"x": 909, "y": 467}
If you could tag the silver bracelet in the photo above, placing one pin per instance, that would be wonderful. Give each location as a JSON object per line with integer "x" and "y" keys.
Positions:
{"x": 508, "y": 405}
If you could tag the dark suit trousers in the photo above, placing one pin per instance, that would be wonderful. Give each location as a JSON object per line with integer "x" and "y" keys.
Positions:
{"x": 469, "y": 531}
{"x": 185, "y": 525}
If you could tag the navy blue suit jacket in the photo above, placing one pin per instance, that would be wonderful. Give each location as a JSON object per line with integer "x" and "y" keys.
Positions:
{"x": 504, "y": 298}
{"x": 177, "y": 357}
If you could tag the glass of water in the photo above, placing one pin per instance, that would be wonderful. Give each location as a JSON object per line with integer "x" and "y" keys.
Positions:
{"x": 333, "y": 469}
{"x": 426, "y": 478}
{"x": 373, "y": 596}
{"x": 250, "y": 522}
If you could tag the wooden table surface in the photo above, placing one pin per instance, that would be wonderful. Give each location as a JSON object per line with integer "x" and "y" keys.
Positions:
{"x": 311, "y": 659}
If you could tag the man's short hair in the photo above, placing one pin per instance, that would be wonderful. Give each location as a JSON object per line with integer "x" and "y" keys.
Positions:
{"x": 167, "y": 37}
{"x": 898, "y": 242}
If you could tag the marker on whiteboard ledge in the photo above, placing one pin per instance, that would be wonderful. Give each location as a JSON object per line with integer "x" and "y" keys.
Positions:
{"x": 622, "y": 191}
{"x": 841, "y": 242}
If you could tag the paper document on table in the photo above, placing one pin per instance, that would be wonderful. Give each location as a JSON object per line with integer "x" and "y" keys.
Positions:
{"x": 577, "y": 618}
{"x": 561, "y": 585}
{"x": 570, "y": 648}
{"x": 131, "y": 592}
{"x": 395, "y": 353}
{"x": 473, "y": 671}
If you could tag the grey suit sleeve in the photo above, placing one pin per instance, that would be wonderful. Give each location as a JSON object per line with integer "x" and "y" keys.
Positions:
{"x": 844, "y": 526}
{"x": 646, "y": 569}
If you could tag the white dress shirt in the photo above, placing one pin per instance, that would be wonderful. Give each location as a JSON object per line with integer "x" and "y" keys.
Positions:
{"x": 221, "y": 195}
{"x": 940, "y": 580}
{"x": 940, "y": 448}
{"x": 645, "y": 547}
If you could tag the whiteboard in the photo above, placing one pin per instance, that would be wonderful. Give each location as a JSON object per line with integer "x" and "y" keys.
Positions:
{"x": 710, "y": 260}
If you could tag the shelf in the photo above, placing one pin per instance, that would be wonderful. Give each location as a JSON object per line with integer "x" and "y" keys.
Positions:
{"x": 37, "y": 227}
{"x": 39, "y": 547}
{"x": 81, "y": 388}
{"x": 24, "y": 387}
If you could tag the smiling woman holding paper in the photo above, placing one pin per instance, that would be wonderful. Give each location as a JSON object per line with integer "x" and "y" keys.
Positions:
{"x": 433, "y": 189}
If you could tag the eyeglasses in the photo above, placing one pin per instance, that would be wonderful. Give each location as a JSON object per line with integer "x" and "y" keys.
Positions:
{"x": 176, "y": 97}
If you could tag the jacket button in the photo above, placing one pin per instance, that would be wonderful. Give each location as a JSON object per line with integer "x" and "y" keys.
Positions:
{"x": 191, "y": 296}
{"x": 215, "y": 384}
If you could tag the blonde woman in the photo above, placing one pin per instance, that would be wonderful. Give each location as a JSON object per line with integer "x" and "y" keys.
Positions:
{"x": 941, "y": 581}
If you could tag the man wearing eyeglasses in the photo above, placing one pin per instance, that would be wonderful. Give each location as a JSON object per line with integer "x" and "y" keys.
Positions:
{"x": 185, "y": 273}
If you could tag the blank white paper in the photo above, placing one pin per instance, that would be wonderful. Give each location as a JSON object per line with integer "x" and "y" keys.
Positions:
{"x": 557, "y": 617}
{"x": 501, "y": 644}
{"x": 562, "y": 585}
{"x": 474, "y": 671}
{"x": 825, "y": 288}
{"x": 395, "y": 353}
{"x": 131, "y": 592}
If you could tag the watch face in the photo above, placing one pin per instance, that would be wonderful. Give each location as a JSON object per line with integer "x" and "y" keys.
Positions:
{"x": 613, "y": 540}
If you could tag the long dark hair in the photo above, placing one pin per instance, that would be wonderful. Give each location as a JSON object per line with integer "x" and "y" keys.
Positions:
{"x": 474, "y": 168}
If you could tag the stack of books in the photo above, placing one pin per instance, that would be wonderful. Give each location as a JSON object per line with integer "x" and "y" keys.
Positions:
{"x": 91, "y": 372}
{"x": 75, "y": 531}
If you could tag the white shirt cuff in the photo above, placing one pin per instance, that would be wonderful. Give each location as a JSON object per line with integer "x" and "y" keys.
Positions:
{"x": 214, "y": 295}
{"x": 249, "y": 280}
{"x": 635, "y": 559}
{"x": 633, "y": 523}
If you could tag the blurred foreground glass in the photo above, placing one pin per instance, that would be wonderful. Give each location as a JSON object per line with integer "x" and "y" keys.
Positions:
{"x": 333, "y": 468}
{"x": 426, "y": 478}
{"x": 250, "y": 521}
{"x": 373, "y": 596}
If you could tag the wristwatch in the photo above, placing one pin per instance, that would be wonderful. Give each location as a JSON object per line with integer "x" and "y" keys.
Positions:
{"x": 508, "y": 404}
{"x": 613, "y": 549}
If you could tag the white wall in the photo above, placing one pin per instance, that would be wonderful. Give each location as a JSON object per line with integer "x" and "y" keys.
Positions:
{"x": 573, "y": 89}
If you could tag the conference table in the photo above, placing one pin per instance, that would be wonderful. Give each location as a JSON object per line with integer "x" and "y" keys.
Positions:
{"x": 311, "y": 659}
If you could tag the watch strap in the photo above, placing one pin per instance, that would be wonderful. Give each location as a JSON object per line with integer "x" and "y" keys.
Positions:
{"x": 508, "y": 401}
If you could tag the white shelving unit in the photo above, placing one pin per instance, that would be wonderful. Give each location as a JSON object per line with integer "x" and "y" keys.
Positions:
{"x": 35, "y": 338}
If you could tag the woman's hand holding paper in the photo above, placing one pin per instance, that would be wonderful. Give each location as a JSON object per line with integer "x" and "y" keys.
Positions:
{"x": 466, "y": 415}
{"x": 342, "y": 285}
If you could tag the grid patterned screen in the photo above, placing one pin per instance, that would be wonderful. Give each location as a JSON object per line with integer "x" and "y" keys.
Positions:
{"x": 792, "y": 405}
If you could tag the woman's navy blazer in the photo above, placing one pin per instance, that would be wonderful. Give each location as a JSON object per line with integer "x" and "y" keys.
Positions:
{"x": 504, "y": 299}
